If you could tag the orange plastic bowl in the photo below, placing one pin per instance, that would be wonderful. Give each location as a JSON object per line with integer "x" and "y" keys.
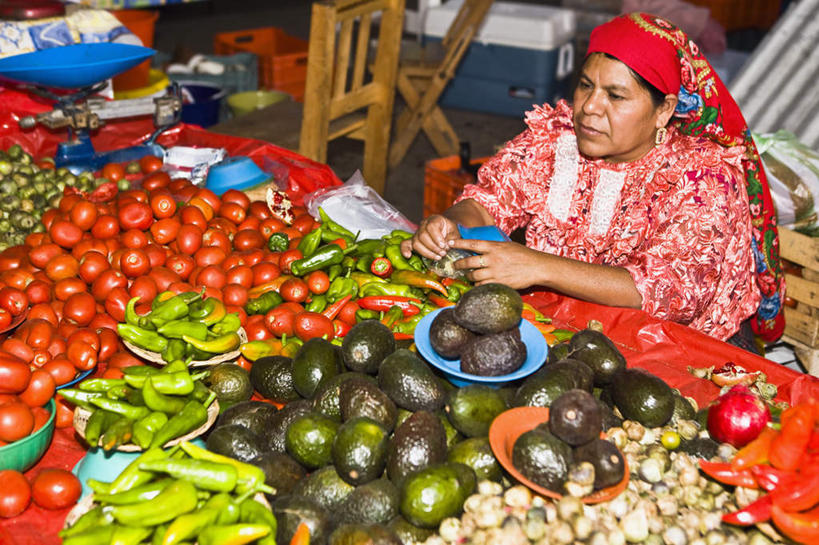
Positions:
{"x": 511, "y": 424}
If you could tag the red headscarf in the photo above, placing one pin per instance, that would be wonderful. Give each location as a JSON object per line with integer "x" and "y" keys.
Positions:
{"x": 664, "y": 56}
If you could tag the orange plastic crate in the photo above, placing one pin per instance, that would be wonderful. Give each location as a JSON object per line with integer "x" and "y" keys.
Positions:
{"x": 443, "y": 182}
{"x": 282, "y": 57}
{"x": 742, "y": 14}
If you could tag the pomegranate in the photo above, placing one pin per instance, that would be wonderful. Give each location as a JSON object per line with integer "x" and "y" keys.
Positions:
{"x": 737, "y": 417}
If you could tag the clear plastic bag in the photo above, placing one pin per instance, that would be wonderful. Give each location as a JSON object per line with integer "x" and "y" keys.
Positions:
{"x": 358, "y": 207}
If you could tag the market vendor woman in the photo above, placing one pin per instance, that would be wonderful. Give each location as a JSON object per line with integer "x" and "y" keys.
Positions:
{"x": 646, "y": 192}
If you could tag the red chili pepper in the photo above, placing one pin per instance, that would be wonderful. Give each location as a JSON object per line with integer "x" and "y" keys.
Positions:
{"x": 418, "y": 280}
{"x": 798, "y": 491}
{"x": 768, "y": 477}
{"x": 722, "y": 472}
{"x": 410, "y": 306}
{"x": 800, "y": 527}
{"x": 340, "y": 242}
{"x": 756, "y": 452}
{"x": 790, "y": 445}
{"x": 381, "y": 266}
{"x": 391, "y": 316}
{"x": 813, "y": 444}
{"x": 332, "y": 311}
{"x": 437, "y": 300}
{"x": 341, "y": 328}
{"x": 753, "y": 513}
{"x": 401, "y": 336}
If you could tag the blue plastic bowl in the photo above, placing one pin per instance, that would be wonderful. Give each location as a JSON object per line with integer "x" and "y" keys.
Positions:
{"x": 234, "y": 173}
{"x": 21, "y": 455}
{"x": 536, "y": 350}
{"x": 76, "y": 379}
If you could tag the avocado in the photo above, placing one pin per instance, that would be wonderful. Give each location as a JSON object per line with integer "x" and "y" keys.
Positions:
{"x": 598, "y": 352}
{"x": 292, "y": 510}
{"x": 494, "y": 354}
{"x": 360, "y": 450}
{"x": 683, "y": 410}
{"x": 364, "y": 534}
{"x": 280, "y": 421}
{"x": 609, "y": 467}
{"x": 324, "y": 486}
{"x": 254, "y": 415}
{"x": 362, "y": 397}
{"x": 642, "y": 397}
{"x": 374, "y": 502}
{"x": 230, "y": 383}
{"x": 326, "y": 397}
{"x": 581, "y": 373}
{"x": 542, "y": 458}
{"x": 489, "y": 308}
{"x": 272, "y": 377}
{"x": 366, "y": 345}
{"x": 403, "y": 414}
{"x": 309, "y": 439}
{"x": 317, "y": 361}
{"x": 453, "y": 436}
{"x": 446, "y": 337}
{"x": 417, "y": 443}
{"x": 472, "y": 409}
{"x": 410, "y": 383}
{"x": 558, "y": 352}
{"x": 575, "y": 417}
{"x": 699, "y": 447}
{"x": 540, "y": 389}
{"x": 408, "y": 533}
{"x": 434, "y": 493}
{"x": 281, "y": 471}
{"x": 610, "y": 420}
{"x": 236, "y": 441}
{"x": 477, "y": 454}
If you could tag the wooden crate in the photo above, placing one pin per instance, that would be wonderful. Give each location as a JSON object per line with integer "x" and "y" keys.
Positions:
{"x": 802, "y": 322}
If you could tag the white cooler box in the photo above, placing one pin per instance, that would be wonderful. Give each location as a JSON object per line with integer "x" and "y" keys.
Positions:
{"x": 522, "y": 55}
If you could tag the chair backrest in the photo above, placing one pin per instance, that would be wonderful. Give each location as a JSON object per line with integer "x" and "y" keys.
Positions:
{"x": 338, "y": 83}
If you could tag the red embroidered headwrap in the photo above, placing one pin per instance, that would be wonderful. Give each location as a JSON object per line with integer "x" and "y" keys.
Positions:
{"x": 664, "y": 56}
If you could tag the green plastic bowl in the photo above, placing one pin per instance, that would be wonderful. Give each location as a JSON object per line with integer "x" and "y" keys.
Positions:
{"x": 21, "y": 455}
{"x": 249, "y": 101}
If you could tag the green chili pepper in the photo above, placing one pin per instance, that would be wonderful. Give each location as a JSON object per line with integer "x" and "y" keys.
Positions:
{"x": 249, "y": 477}
{"x": 370, "y": 247}
{"x": 175, "y": 351}
{"x": 98, "y": 487}
{"x": 173, "y": 309}
{"x": 157, "y": 401}
{"x": 373, "y": 288}
{"x": 328, "y": 235}
{"x": 91, "y": 536}
{"x": 176, "y": 366}
{"x": 455, "y": 289}
{"x": 418, "y": 280}
{"x": 119, "y": 392}
{"x": 348, "y": 264}
{"x": 278, "y": 242}
{"x": 207, "y": 475}
{"x": 121, "y": 408}
{"x": 233, "y": 534}
{"x": 417, "y": 263}
{"x": 317, "y": 304}
{"x": 142, "y": 338}
{"x": 252, "y": 511}
{"x": 159, "y": 534}
{"x": 219, "y": 345}
{"x": 560, "y": 334}
{"x": 226, "y": 506}
{"x": 176, "y": 383}
{"x": 200, "y": 309}
{"x": 263, "y": 303}
{"x": 100, "y": 384}
{"x": 131, "y": 316}
{"x": 80, "y": 398}
{"x": 362, "y": 314}
{"x": 136, "y": 370}
{"x": 338, "y": 228}
{"x": 329, "y": 254}
{"x": 334, "y": 272}
{"x": 340, "y": 288}
{"x": 229, "y": 324}
{"x": 131, "y": 477}
{"x": 176, "y": 329}
{"x": 176, "y": 499}
{"x": 192, "y": 415}
{"x": 407, "y": 326}
{"x": 309, "y": 243}
{"x": 392, "y": 315}
{"x": 97, "y": 422}
{"x": 90, "y": 519}
{"x": 217, "y": 312}
{"x": 137, "y": 494}
{"x": 189, "y": 525}
{"x": 363, "y": 278}
{"x": 161, "y": 298}
{"x": 363, "y": 263}
{"x": 400, "y": 233}
{"x": 118, "y": 433}
{"x": 129, "y": 535}
{"x": 393, "y": 253}
{"x": 200, "y": 392}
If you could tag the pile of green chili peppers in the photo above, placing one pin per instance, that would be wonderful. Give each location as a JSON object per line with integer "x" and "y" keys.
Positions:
{"x": 181, "y": 326}
{"x": 182, "y": 495}
{"x": 147, "y": 407}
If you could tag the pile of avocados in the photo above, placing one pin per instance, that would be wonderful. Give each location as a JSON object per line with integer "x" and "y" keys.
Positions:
{"x": 482, "y": 330}
{"x": 368, "y": 432}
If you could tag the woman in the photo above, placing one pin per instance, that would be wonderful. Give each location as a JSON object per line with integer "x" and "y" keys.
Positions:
{"x": 646, "y": 192}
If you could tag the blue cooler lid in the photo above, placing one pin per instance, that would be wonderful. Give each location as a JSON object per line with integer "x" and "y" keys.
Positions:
{"x": 237, "y": 172}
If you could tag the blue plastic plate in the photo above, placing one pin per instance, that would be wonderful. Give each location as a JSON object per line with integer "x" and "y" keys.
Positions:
{"x": 77, "y": 379}
{"x": 234, "y": 173}
{"x": 536, "y": 349}
{"x": 483, "y": 232}
{"x": 73, "y": 66}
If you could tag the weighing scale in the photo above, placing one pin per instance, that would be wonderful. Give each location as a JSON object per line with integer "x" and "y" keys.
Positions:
{"x": 83, "y": 70}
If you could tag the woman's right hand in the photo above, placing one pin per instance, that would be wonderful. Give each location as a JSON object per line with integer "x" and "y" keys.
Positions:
{"x": 432, "y": 238}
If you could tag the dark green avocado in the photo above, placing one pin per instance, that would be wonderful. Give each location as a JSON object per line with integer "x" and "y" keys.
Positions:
{"x": 360, "y": 450}
{"x": 272, "y": 377}
{"x": 494, "y": 354}
{"x": 609, "y": 467}
{"x": 575, "y": 417}
{"x": 642, "y": 397}
{"x": 410, "y": 383}
{"x": 472, "y": 409}
{"x": 292, "y": 510}
{"x": 489, "y": 308}
{"x": 236, "y": 441}
{"x": 542, "y": 458}
{"x": 324, "y": 486}
{"x": 598, "y": 352}
{"x": 281, "y": 421}
{"x": 446, "y": 337}
{"x": 362, "y": 397}
{"x": 316, "y": 362}
{"x": 366, "y": 345}
{"x": 418, "y": 442}
{"x": 374, "y": 502}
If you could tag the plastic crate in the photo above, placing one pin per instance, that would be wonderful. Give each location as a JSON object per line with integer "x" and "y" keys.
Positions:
{"x": 241, "y": 72}
{"x": 444, "y": 181}
{"x": 742, "y": 14}
{"x": 282, "y": 57}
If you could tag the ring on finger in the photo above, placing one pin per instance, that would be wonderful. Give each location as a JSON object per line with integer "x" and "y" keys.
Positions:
{"x": 482, "y": 262}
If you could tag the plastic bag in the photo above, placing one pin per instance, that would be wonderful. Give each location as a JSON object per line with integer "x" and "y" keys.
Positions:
{"x": 358, "y": 207}
{"x": 793, "y": 174}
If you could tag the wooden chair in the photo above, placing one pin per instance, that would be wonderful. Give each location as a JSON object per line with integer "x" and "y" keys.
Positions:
{"x": 341, "y": 97}
{"x": 421, "y": 82}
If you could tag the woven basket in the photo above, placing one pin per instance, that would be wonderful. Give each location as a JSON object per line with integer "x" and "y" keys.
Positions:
{"x": 81, "y": 416}
{"x": 155, "y": 357}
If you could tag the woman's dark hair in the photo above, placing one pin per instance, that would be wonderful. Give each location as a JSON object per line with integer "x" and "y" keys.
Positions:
{"x": 657, "y": 96}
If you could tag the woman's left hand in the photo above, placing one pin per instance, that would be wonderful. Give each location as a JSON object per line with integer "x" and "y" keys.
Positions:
{"x": 507, "y": 263}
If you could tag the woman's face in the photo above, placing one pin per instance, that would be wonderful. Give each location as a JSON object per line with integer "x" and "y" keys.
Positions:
{"x": 614, "y": 117}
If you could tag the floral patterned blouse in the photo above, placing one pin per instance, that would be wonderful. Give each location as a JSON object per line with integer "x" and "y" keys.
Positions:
{"x": 677, "y": 219}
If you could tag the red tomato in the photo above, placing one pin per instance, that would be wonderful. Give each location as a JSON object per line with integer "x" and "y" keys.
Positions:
{"x": 279, "y": 321}
{"x": 241, "y": 275}
{"x": 347, "y": 312}
{"x": 105, "y": 227}
{"x": 5, "y": 318}
{"x": 211, "y": 276}
{"x": 308, "y": 325}
{"x": 217, "y": 238}
{"x": 14, "y": 374}
{"x": 203, "y": 206}
{"x": 209, "y": 255}
{"x": 123, "y": 359}
{"x": 137, "y": 195}
{"x": 294, "y": 289}
{"x": 134, "y": 262}
{"x": 62, "y": 266}
{"x": 250, "y": 223}
{"x": 40, "y": 333}
{"x": 105, "y": 282}
{"x": 256, "y": 329}
{"x": 65, "y": 414}
{"x": 259, "y": 209}
{"x": 80, "y": 309}
{"x": 252, "y": 257}
{"x": 163, "y": 205}
{"x": 166, "y": 230}
{"x": 55, "y": 488}
{"x": 113, "y": 172}
{"x": 289, "y": 257}
{"x": 49, "y": 217}
{"x": 303, "y": 224}
{"x": 150, "y": 163}
{"x": 16, "y": 421}
{"x": 264, "y": 272}
{"x": 87, "y": 245}
{"x": 86, "y": 335}
{"x": 13, "y": 300}
{"x": 65, "y": 288}
{"x": 318, "y": 282}
{"x": 113, "y": 373}
{"x": 41, "y": 255}
{"x": 115, "y": 303}
{"x": 181, "y": 264}
{"x": 157, "y": 180}
{"x": 67, "y": 202}
{"x": 134, "y": 215}
{"x": 237, "y": 197}
{"x": 248, "y": 239}
{"x": 189, "y": 238}
{"x": 209, "y": 197}
{"x": 61, "y": 370}
{"x": 163, "y": 277}
{"x": 83, "y": 215}
{"x": 180, "y": 287}
{"x": 92, "y": 265}
{"x": 40, "y": 389}
{"x": 234, "y": 294}
{"x": 191, "y": 215}
{"x": 134, "y": 238}
{"x": 44, "y": 311}
{"x": 15, "y": 493}
{"x": 156, "y": 254}
{"x": 233, "y": 212}
{"x": 18, "y": 348}
{"x": 143, "y": 287}
{"x": 82, "y": 355}
{"x": 109, "y": 342}
{"x": 37, "y": 292}
{"x": 65, "y": 233}
{"x": 221, "y": 224}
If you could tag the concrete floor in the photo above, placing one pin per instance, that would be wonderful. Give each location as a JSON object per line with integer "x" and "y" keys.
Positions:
{"x": 192, "y": 26}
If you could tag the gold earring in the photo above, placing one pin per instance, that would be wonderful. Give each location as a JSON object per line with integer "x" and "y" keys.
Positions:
{"x": 660, "y": 136}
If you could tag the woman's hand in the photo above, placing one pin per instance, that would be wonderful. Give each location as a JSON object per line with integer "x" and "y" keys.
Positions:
{"x": 432, "y": 238}
{"x": 508, "y": 263}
